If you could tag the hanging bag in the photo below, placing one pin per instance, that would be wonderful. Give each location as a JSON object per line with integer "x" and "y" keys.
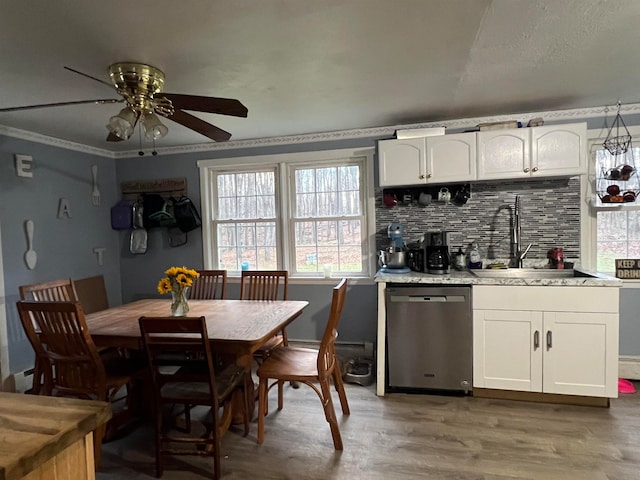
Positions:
{"x": 186, "y": 214}
{"x": 122, "y": 215}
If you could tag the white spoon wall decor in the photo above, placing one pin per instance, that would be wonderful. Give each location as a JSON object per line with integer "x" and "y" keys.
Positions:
{"x": 30, "y": 256}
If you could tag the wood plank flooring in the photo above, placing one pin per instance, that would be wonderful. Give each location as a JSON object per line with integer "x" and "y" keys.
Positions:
{"x": 402, "y": 436}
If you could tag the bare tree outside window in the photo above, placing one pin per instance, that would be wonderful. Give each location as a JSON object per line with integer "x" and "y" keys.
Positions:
{"x": 328, "y": 219}
{"x": 246, "y": 227}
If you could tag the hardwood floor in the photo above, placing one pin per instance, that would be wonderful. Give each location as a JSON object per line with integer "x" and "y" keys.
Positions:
{"x": 404, "y": 436}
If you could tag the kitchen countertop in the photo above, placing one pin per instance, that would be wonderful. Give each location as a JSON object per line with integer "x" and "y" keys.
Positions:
{"x": 35, "y": 429}
{"x": 466, "y": 277}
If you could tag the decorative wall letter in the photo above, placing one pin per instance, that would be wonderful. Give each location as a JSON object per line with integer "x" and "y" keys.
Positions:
{"x": 23, "y": 165}
{"x": 99, "y": 251}
{"x": 64, "y": 210}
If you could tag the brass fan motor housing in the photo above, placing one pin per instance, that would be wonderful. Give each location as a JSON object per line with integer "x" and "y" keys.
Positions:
{"x": 137, "y": 83}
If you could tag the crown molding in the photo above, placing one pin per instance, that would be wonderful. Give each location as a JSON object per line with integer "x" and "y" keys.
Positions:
{"x": 375, "y": 132}
{"x": 54, "y": 142}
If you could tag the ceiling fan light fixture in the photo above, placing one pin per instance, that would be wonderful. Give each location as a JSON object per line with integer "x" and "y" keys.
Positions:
{"x": 153, "y": 127}
{"x": 122, "y": 124}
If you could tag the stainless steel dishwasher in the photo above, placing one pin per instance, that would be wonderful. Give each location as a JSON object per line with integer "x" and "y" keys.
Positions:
{"x": 429, "y": 337}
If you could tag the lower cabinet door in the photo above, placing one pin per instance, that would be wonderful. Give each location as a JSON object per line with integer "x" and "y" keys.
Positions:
{"x": 580, "y": 354}
{"x": 507, "y": 350}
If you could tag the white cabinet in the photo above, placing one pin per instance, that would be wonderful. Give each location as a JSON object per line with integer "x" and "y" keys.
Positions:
{"x": 504, "y": 154}
{"x": 561, "y": 340}
{"x": 427, "y": 160}
{"x": 547, "y": 151}
{"x": 558, "y": 150}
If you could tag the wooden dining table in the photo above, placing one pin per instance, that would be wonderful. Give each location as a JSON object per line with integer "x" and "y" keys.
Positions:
{"x": 236, "y": 328}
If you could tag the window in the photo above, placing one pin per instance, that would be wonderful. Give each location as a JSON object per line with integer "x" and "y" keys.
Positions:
{"x": 298, "y": 211}
{"x": 614, "y": 226}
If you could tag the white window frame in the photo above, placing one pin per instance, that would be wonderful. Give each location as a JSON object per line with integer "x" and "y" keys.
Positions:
{"x": 589, "y": 208}
{"x": 285, "y": 201}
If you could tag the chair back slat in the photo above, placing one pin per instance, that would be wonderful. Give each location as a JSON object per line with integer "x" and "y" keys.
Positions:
{"x": 181, "y": 343}
{"x": 66, "y": 343}
{"x": 62, "y": 290}
{"x": 210, "y": 285}
{"x": 327, "y": 354}
{"x": 264, "y": 285}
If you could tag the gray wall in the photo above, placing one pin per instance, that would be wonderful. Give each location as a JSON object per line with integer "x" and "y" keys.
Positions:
{"x": 64, "y": 246}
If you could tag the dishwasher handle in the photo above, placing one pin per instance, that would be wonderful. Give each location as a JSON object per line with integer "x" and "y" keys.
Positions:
{"x": 428, "y": 298}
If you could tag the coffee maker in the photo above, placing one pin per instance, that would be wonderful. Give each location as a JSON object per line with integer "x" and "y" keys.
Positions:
{"x": 437, "y": 252}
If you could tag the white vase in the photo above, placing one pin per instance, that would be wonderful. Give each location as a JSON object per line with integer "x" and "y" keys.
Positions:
{"x": 179, "y": 305}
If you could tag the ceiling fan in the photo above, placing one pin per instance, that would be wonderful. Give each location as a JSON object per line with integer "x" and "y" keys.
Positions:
{"x": 140, "y": 86}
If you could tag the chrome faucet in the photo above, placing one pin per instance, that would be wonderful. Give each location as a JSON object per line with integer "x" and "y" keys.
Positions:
{"x": 516, "y": 238}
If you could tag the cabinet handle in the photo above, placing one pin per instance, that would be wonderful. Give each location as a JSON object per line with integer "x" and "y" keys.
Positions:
{"x": 429, "y": 176}
{"x": 526, "y": 170}
{"x": 421, "y": 177}
{"x": 534, "y": 169}
{"x": 549, "y": 340}
{"x": 536, "y": 340}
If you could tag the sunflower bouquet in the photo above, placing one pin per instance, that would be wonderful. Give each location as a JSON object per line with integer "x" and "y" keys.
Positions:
{"x": 177, "y": 281}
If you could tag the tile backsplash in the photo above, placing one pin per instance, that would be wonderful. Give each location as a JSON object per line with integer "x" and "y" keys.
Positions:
{"x": 549, "y": 217}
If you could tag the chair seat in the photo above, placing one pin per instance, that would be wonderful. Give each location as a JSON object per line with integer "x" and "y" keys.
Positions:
{"x": 290, "y": 363}
{"x": 266, "y": 349}
{"x": 226, "y": 380}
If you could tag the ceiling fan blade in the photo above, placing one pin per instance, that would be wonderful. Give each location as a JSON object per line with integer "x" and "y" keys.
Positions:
{"x": 89, "y": 76}
{"x": 61, "y": 104}
{"x": 222, "y": 106}
{"x": 200, "y": 126}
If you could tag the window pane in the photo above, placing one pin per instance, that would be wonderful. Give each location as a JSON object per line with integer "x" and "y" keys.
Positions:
{"x": 226, "y": 186}
{"x": 349, "y": 178}
{"x": 327, "y": 204}
{"x": 226, "y": 208}
{"x": 328, "y": 192}
{"x": 305, "y": 205}
{"x": 349, "y": 203}
{"x": 247, "y": 207}
{"x": 326, "y": 179}
{"x": 227, "y": 235}
{"x": 305, "y": 233}
{"x": 243, "y": 199}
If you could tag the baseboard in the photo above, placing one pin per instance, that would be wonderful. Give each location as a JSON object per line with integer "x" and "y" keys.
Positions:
{"x": 20, "y": 382}
{"x": 349, "y": 350}
{"x": 629, "y": 367}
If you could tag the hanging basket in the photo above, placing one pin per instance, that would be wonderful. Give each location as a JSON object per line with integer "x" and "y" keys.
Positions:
{"x": 618, "y": 139}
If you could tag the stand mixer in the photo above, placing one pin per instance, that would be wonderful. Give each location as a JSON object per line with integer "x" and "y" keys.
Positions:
{"x": 393, "y": 258}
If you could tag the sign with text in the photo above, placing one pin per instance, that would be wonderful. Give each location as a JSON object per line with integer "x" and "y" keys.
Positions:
{"x": 627, "y": 268}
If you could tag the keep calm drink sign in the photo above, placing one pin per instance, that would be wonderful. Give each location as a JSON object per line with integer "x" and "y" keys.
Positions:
{"x": 628, "y": 268}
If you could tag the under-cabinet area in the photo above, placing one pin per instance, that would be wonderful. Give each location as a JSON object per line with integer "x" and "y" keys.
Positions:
{"x": 554, "y": 337}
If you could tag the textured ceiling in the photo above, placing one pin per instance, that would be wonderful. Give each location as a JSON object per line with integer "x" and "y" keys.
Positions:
{"x": 317, "y": 66}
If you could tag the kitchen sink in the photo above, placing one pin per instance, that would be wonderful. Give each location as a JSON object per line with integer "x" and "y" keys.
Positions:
{"x": 524, "y": 273}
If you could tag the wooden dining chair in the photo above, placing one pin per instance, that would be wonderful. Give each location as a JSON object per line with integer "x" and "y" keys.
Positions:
{"x": 181, "y": 378}
{"x": 210, "y": 285}
{"x": 266, "y": 285}
{"x": 78, "y": 370}
{"x": 308, "y": 366}
{"x": 62, "y": 290}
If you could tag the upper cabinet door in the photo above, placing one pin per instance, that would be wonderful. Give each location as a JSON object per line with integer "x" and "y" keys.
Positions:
{"x": 402, "y": 162}
{"x": 504, "y": 154}
{"x": 558, "y": 150}
{"x": 451, "y": 158}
